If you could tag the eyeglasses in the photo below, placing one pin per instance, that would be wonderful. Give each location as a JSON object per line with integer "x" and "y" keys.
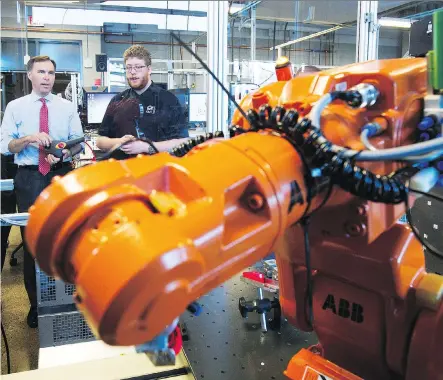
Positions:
{"x": 136, "y": 69}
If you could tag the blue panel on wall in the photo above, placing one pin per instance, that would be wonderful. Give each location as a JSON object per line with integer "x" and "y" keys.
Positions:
{"x": 67, "y": 55}
{"x": 13, "y": 52}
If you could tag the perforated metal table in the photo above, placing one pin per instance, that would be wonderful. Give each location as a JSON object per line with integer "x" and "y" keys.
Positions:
{"x": 222, "y": 345}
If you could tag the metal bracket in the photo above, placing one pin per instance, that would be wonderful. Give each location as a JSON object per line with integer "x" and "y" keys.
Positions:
{"x": 374, "y": 28}
{"x": 368, "y": 17}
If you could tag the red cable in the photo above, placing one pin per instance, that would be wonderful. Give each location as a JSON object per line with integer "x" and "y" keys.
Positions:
{"x": 92, "y": 150}
{"x": 175, "y": 341}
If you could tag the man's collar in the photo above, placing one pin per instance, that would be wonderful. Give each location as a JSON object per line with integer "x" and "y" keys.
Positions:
{"x": 36, "y": 97}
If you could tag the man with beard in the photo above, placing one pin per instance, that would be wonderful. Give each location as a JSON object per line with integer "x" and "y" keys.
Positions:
{"x": 145, "y": 111}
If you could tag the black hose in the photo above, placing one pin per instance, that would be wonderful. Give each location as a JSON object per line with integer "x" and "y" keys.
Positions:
{"x": 318, "y": 150}
{"x": 108, "y": 154}
{"x": 186, "y": 147}
{"x": 8, "y": 357}
{"x": 205, "y": 66}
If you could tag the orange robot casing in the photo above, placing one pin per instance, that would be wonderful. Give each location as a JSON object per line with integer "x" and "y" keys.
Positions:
{"x": 143, "y": 238}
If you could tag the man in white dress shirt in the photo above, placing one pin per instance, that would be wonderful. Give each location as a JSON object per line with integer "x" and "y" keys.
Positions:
{"x": 29, "y": 124}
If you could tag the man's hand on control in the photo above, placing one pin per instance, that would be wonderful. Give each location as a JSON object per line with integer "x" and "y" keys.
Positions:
{"x": 40, "y": 138}
{"x": 52, "y": 159}
{"x": 66, "y": 153}
{"x": 135, "y": 147}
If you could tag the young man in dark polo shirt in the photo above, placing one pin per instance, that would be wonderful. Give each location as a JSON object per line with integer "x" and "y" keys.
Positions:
{"x": 144, "y": 110}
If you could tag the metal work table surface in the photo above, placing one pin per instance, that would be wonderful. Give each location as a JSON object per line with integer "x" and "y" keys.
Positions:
{"x": 222, "y": 345}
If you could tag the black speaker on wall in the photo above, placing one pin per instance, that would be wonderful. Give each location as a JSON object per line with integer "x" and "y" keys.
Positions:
{"x": 101, "y": 63}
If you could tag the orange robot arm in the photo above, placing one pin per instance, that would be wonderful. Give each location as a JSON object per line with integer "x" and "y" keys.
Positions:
{"x": 144, "y": 238}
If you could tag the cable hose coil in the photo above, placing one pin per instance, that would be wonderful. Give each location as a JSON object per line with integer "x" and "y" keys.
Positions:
{"x": 319, "y": 151}
{"x": 186, "y": 147}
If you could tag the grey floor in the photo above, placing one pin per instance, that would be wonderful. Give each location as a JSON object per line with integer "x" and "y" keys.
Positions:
{"x": 23, "y": 341}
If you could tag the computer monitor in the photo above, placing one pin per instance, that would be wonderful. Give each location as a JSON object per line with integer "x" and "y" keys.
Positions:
{"x": 197, "y": 108}
{"x": 97, "y": 103}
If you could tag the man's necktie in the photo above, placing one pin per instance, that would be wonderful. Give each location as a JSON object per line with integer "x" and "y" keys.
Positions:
{"x": 43, "y": 165}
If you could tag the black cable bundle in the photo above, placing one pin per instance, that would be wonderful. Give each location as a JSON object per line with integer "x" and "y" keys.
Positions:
{"x": 184, "y": 148}
{"x": 319, "y": 152}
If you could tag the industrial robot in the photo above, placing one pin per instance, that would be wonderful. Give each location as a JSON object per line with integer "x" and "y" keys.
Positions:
{"x": 144, "y": 238}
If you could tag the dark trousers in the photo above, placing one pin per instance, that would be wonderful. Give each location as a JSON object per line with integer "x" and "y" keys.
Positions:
{"x": 28, "y": 185}
{"x": 8, "y": 199}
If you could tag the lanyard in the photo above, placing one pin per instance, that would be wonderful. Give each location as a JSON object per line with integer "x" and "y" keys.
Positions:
{"x": 140, "y": 133}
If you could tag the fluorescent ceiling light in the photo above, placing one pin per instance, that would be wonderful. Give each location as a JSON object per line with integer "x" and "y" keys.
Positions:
{"x": 394, "y": 22}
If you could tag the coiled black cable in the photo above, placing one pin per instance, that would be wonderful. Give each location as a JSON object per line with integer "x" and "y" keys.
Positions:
{"x": 318, "y": 151}
{"x": 184, "y": 148}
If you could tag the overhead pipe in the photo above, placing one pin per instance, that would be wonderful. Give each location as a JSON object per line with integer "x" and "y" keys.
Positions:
{"x": 420, "y": 15}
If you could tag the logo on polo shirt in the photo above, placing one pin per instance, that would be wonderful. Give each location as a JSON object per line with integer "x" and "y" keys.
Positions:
{"x": 150, "y": 110}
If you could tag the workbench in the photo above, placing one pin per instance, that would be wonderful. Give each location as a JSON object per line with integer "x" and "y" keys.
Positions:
{"x": 224, "y": 346}
{"x": 97, "y": 361}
